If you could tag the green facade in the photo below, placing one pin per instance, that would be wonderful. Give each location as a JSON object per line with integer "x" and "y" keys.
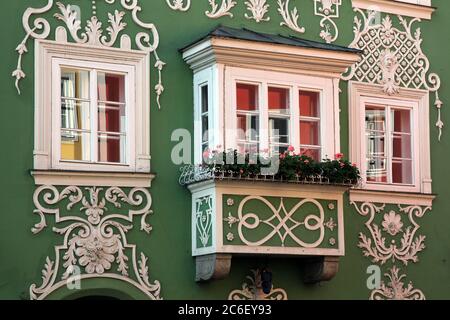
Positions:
{"x": 168, "y": 245}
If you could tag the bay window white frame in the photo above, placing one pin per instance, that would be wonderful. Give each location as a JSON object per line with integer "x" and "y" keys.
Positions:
{"x": 418, "y": 101}
{"x": 93, "y": 68}
{"x": 329, "y": 134}
{"x": 134, "y": 62}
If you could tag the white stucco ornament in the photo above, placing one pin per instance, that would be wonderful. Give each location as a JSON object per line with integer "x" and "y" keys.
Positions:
{"x": 252, "y": 290}
{"x": 179, "y": 5}
{"x": 290, "y": 17}
{"x": 393, "y": 238}
{"x": 393, "y": 57}
{"x": 258, "y": 8}
{"x": 217, "y": 11}
{"x": 94, "y": 242}
{"x": 93, "y": 33}
{"x": 328, "y": 10}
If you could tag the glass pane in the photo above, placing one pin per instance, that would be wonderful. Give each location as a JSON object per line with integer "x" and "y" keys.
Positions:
{"x": 401, "y": 120}
{"x": 247, "y": 97}
{"x": 309, "y": 104}
{"x": 310, "y": 133}
{"x": 375, "y": 118}
{"x": 310, "y": 152}
{"x": 75, "y": 114}
{"x": 111, "y": 118}
{"x": 375, "y": 144}
{"x": 376, "y": 170}
{"x": 111, "y": 87}
{"x": 111, "y": 148}
{"x": 75, "y": 146}
{"x": 402, "y": 171}
{"x": 205, "y": 129}
{"x": 74, "y": 83}
{"x": 248, "y": 127}
{"x": 401, "y": 146}
{"x": 204, "y": 99}
{"x": 279, "y": 130}
{"x": 278, "y": 100}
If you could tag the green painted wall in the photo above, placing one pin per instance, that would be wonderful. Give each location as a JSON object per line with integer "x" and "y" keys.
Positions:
{"x": 22, "y": 255}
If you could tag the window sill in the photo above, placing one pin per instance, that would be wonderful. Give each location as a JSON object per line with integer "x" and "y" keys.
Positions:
{"x": 389, "y": 197}
{"x": 92, "y": 179}
{"x": 396, "y": 7}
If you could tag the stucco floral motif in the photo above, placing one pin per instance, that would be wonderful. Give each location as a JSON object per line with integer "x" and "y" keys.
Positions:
{"x": 395, "y": 288}
{"x": 258, "y": 8}
{"x": 384, "y": 245}
{"x": 179, "y": 5}
{"x": 290, "y": 17}
{"x": 222, "y": 10}
{"x": 98, "y": 243}
{"x": 378, "y": 248}
{"x": 204, "y": 207}
{"x": 252, "y": 290}
{"x": 147, "y": 40}
{"x": 328, "y": 10}
{"x": 392, "y": 57}
{"x": 392, "y": 223}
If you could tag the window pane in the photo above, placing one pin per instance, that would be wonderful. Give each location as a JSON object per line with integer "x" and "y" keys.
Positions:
{"x": 247, "y": 97}
{"x": 310, "y": 133}
{"x": 111, "y": 118}
{"x": 375, "y": 143}
{"x": 402, "y": 171}
{"x": 279, "y": 100}
{"x": 204, "y": 99}
{"x": 401, "y": 146}
{"x": 75, "y": 114}
{"x": 74, "y": 83}
{"x": 205, "y": 129}
{"x": 111, "y": 148}
{"x": 311, "y": 152}
{"x": 376, "y": 170}
{"x": 401, "y": 120}
{"x": 375, "y": 118}
{"x": 309, "y": 104}
{"x": 78, "y": 148}
{"x": 248, "y": 127}
{"x": 279, "y": 130}
{"x": 111, "y": 87}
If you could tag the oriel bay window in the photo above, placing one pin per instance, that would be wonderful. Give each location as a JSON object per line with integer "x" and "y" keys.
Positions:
{"x": 92, "y": 106}
{"x": 274, "y": 114}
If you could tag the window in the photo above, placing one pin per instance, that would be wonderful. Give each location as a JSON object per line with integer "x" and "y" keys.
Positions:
{"x": 93, "y": 112}
{"x": 389, "y": 138}
{"x": 274, "y": 111}
{"x": 389, "y": 145}
{"x": 204, "y": 100}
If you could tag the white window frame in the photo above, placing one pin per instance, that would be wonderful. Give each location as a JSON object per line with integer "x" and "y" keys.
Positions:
{"x": 329, "y": 133}
{"x": 362, "y": 94}
{"x": 133, "y": 62}
{"x": 93, "y": 68}
{"x": 411, "y": 8}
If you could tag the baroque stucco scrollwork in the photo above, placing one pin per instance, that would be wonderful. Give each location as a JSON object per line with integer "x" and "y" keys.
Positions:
{"x": 180, "y": 5}
{"x": 224, "y": 9}
{"x": 393, "y": 237}
{"x": 258, "y": 8}
{"x": 393, "y": 57}
{"x": 40, "y": 28}
{"x": 252, "y": 290}
{"x": 328, "y": 10}
{"x": 96, "y": 242}
{"x": 290, "y": 17}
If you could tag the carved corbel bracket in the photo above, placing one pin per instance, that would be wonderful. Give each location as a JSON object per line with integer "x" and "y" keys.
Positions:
{"x": 320, "y": 269}
{"x": 212, "y": 267}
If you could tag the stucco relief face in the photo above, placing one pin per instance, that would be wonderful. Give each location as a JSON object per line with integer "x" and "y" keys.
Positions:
{"x": 392, "y": 223}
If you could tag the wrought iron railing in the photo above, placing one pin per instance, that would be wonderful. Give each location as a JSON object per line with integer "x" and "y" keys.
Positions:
{"x": 191, "y": 174}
